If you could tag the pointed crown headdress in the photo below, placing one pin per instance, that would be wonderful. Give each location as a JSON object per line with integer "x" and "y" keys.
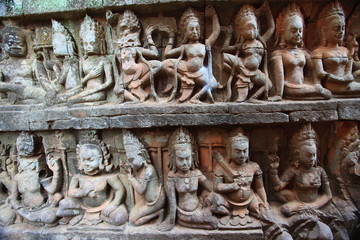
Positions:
{"x": 132, "y": 143}
{"x": 179, "y": 137}
{"x": 288, "y": 14}
{"x": 246, "y": 13}
{"x": 188, "y": 16}
{"x": 57, "y": 27}
{"x": 330, "y": 10}
{"x": 128, "y": 30}
{"x": 91, "y": 25}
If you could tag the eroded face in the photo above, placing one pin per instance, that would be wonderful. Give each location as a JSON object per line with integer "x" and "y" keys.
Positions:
{"x": 193, "y": 31}
{"x": 135, "y": 159}
{"x": 91, "y": 44}
{"x": 15, "y": 45}
{"x": 183, "y": 157}
{"x": 59, "y": 44}
{"x": 293, "y": 31}
{"x": 239, "y": 152}
{"x": 249, "y": 30}
{"x": 90, "y": 159}
{"x": 334, "y": 29}
{"x": 307, "y": 155}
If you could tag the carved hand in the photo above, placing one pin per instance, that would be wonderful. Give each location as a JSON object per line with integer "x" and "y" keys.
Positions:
{"x": 53, "y": 163}
{"x": 274, "y": 161}
{"x": 210, "y": 11}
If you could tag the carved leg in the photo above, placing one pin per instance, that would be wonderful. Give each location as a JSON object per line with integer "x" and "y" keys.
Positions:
{"x": 186, "y": 91}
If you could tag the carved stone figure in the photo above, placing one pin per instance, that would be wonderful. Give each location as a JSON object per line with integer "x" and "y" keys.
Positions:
{"x": 144, "y": 179}
{"x": 333, "y": 62}
{"x": 136, "y": 72}
{"x": 304, "y": 187}
{"x": 292, "y": 62}
{"x": 7, "y": 172}
{"x": 96, "y": 69}
{"x": 183, "y": 183}
{"x": 35, "y": 193}
{"x": 343, "y": 168}
{"x": 240, "y": 181}
{"x": 249, "y": 64}
{"x": 189, "y": 65}
{"x": 96, "y": 195}
{"x": 66, "y": 82}
{"x": 16, "y": 78}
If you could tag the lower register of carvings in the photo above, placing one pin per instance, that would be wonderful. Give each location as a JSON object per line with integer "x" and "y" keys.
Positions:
{"x": 212, "y": 119}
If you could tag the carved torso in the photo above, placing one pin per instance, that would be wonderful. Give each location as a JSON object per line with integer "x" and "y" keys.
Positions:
{"x": 21, "y": 75}
{"x": 195, "y": 55}
{"x": 306, "y": 182}
{"x": 187, "y": 186}
{"x": 252, "y": 53}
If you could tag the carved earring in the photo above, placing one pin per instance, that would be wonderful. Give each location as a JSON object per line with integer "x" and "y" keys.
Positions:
{"x": 282, "y": 43}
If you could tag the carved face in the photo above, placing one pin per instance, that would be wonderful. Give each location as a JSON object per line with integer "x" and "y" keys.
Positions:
{"x": 90, "y": 159}
{"x": 249, "y": 30}
{"x": 59, "y": 44}
{"x": 334, "y": 29}
{"x": 307, "y": 155}
{"x": 239, "y": 152}
{"x": 293, "y": 31}
{"x": 25, "y": 148}
{"x": 128, "y": 54}
{"x": 193, "y": 31}
{"x": 135, "y": 159}
{"x": 183, "y": 157}
{"x": 91, "y": 44}
{"x": 15, "y": 45}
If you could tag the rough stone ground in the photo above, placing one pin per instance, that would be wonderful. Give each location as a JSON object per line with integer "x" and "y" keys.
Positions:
{"x": 148, "y": 232}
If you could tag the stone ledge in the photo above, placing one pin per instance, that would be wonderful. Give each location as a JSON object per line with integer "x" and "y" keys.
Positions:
{"x": 36, "y": 117}
{"x": 148, "y": 232}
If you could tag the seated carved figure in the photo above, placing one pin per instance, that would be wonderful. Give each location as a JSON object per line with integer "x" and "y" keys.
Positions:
{"x": 145, "y": 181}
{"x": 65, "y": 68}
{"x": 97, "y": 195}
{"x": 29, "y": 185}
{"x": 184, "y": 180}
{"x": 240, "y": 181}
{"x": 189, "y": 65}
{"x": 97, "y": 71}
{"x": 7, "y": 172}
{"x": 332, "y": 61}
{"x": 250, "y": 55}
{"x": 292, "y": 62}
{"x": 18, "y": 84}
{"x": 304, "y": 187}
{"x": 136, "y": 72}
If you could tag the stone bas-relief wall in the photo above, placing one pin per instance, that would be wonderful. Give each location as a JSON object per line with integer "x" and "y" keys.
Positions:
{"x": 193, "y": 120}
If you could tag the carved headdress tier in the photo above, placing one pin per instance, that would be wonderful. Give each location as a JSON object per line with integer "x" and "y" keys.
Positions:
{"x": 238, "y": 135}
{"x": 288, "y": 15}
{"x": 191, "y": 15}
{"x": 131, "y": 142}
{"x": 58, "y": 28}
{"x": 91, "y": 26}
{"x": 332, "y": 9}
{"x": 11, "y": 31}
{"x": 305, "y": 134}
{"x": 128, "y": 30}
{"x": 182, "y": 136}
{"x": 246, "y": 13}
